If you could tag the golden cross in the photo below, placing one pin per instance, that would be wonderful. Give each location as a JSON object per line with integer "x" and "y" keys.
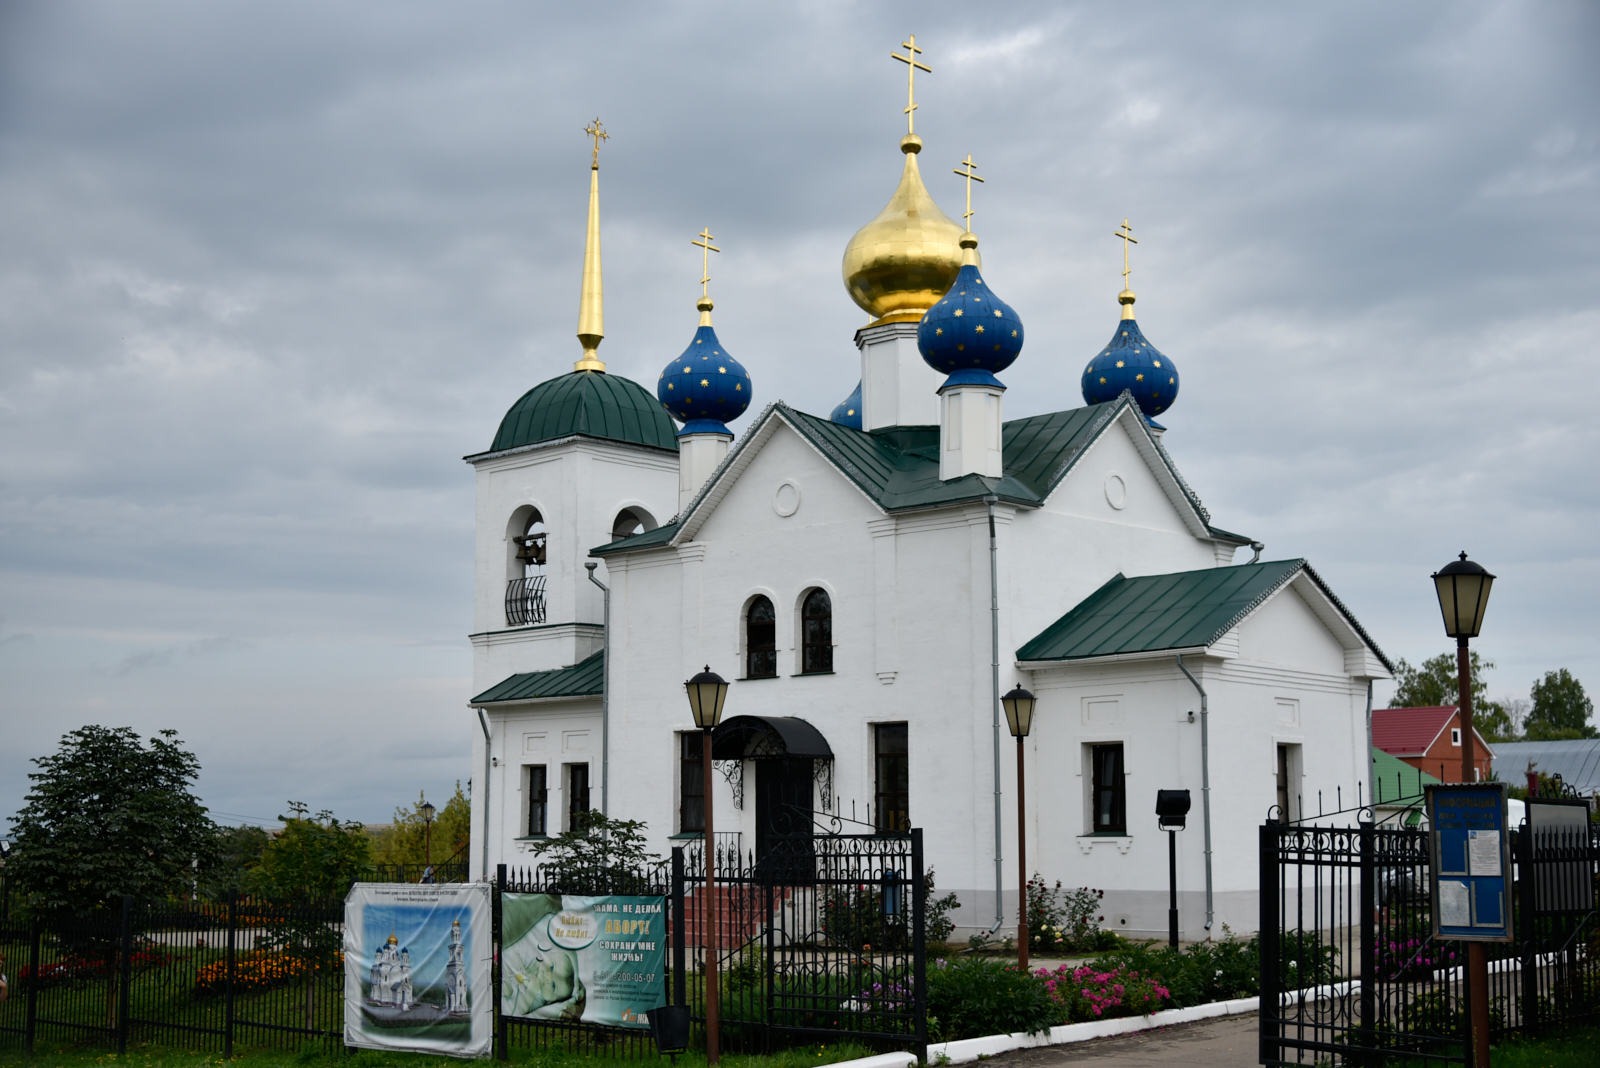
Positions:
{"x": 705, "y": 257}
{"x": 970, "y": 174}
{"x": 1126, "y": 233}
{"x": 912, "y": 66}
{"x": 598, "y": 132}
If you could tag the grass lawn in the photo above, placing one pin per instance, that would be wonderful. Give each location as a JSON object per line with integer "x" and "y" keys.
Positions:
{"x": 1576, "y": 1048}
{"x": 161, "y": 1057}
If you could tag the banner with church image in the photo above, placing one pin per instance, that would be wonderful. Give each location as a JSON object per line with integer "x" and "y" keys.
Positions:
{"x": 599, "y": 960}
{"x": 418, "y": 968}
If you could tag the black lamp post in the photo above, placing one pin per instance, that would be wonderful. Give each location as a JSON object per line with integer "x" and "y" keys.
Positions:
{"x": 1019, "y": 705}
{"x": 427, "y": 811}
{"x": 1463, "y": 589}
{"x": 1172, "y": 814}
{"x": 707, "y": 693}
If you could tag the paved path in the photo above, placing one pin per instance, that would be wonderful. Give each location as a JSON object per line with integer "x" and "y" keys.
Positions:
{"x": 1224, "y": 1042}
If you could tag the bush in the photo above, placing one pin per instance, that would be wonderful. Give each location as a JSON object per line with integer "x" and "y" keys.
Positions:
{"x": 976, "y": 996}
{"x": 1065, "y": 920}
{"x": 1088, "y": 993}
{"x": 1205, "y": 972}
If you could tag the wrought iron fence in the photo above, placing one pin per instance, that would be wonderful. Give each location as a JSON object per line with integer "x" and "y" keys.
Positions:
{"x": 1350, "y": 972}
{"x": 197, "y": 975}
{"x": 819, "y": 936}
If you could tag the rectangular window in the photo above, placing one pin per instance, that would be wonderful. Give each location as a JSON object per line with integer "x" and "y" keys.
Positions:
{"x": 892, "y": 808}
{"x": 1109, "y": 793}
{"x": 1455, "y": 736}
{"x": 1283, "y": 782}
{"x": 577, "y": 792}
{"x": 1288, "y": 781}
{"x": 691, "y": 784}
{"x": 538, "y": 801}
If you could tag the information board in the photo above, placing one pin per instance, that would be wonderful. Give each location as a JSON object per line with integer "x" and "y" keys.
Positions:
{"x": 417, "y": 968}
{"x": 1470, "y": 884}
{"x": 596, "y": 959}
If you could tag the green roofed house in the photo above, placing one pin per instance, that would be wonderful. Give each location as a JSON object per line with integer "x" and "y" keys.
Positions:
{"x": 870, "y": 581}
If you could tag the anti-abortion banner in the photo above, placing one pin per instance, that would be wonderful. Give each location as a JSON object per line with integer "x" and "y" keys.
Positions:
{"x": 418, "y": 968}
{"x": 596, "y": 959}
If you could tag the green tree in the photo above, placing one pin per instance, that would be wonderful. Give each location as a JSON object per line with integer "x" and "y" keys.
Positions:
{"x": 236, "y": 858}
{"x": 1560, "y": 708}
{"x": 405, "y": 840}
{"x": 1436, "y": 683}
{"x": 107, "y": 816}
{"x": 597, "y": 851}
{"x": 313, "y": 856}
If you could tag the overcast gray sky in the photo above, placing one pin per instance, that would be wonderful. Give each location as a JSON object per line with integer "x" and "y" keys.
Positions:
{"x": 267, "y": 271}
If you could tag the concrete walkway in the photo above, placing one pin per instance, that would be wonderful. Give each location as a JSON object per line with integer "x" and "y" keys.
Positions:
{"x": 1225, "y": 1042}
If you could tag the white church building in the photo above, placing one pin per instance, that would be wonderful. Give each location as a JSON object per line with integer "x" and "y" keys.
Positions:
{"x": 857, "y": 577}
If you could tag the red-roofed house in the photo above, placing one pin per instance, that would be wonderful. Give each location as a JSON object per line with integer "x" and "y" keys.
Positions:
{"x": 1428, "y": 739}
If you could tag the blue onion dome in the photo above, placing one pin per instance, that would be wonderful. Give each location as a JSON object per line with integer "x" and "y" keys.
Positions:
{"x": 970, "y": 328}
{"x": 705, "y": 387}
{"x": 848, "y": 411}
{"x": 1130, "y": 362}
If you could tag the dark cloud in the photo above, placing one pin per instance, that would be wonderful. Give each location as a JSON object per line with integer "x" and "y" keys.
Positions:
{"x": 270, "y": 271}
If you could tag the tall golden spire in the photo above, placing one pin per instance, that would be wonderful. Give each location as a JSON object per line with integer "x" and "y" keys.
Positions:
{"x": 1126, "y": 297}
{"x": 591, "y": 304}
{"x": 704, "y": 242}
{"x": 902, "y": 262}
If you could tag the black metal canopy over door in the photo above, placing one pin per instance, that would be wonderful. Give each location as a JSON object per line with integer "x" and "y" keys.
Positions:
{"x": 785, "y": 751}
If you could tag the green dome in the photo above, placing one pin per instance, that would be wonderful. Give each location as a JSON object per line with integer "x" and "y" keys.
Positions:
{"x": 591, "y": 403}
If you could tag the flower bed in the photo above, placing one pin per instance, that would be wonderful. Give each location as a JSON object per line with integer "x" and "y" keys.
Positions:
{"x": 261, "y": 970}
{"x": 77, "y": 968}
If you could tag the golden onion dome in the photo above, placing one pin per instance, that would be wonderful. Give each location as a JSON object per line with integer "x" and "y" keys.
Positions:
{"x": 902, "y": 262}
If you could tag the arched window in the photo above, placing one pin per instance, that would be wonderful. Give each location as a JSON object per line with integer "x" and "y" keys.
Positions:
{"x": 626, "y": 525}
{"x": 525, "y": 583}
{"x": 816, "y": 633}
{"x": 760, "y": 640}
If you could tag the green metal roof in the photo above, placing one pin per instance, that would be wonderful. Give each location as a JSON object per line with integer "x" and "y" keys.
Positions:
{"x": 1395, "y": 781}
{"x": 590, "y": 403}
{"x": 1184, "y": 610}
{"x": 898, "y": 467}
{"x": 583, "y": 679}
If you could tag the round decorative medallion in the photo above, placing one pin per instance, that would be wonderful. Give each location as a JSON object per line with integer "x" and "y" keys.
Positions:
{"x": 786, "y": 499}
{"x": 1116, "y": 491}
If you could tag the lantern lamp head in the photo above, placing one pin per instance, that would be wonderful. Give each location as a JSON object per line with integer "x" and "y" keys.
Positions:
{"x": 707, "y": 692}
{"x": 1463, "y": 589}
{"x": 1019, "y": 711}
{"x": 427, "y": 812}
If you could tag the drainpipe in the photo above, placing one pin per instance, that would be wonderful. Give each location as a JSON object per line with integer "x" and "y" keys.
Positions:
{"x": 994, "y": 671}
{"x": 1205, "y": 778}
{"x": 1259, "y": 548}
{"x": 605, "y": 699}
{"x": 484, "y": 722}
{"x": 1369, "y": 762}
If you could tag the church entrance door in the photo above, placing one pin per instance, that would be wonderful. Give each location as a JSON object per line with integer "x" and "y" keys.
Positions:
{"x": 783, "y": 815}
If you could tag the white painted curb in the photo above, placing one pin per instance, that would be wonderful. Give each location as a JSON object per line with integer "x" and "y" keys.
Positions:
{"x": 970, "y": 1049}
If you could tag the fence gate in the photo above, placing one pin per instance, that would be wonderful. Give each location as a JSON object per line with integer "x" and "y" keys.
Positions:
{"x": 819, "y": 938}
{"x": 1351, "y": 974}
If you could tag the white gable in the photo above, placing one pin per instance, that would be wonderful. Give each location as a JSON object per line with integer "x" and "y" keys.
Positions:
{"x": 1285, "y": 631}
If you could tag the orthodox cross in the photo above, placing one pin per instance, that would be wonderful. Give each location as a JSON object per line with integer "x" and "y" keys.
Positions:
{"x": 1126, "y": 233}
{"x": 971, "y": 175}
{"x": 598, "y": 132}
{"x": 706, "y": 238}
{"x": 912, "y": 66}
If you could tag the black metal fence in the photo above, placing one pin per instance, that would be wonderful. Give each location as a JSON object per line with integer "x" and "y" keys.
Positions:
{"x": 819, "y": 937}
{"x": 1352, "y": 975}
{"x": 197, "y": 975}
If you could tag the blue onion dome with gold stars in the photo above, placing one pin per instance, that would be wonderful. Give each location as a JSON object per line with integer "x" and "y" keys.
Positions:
{"x": 705, "y": 387}
{"x": 848, "y": 411}
{"x": 1130, "y": 362}
{"x": 970, "y": 329}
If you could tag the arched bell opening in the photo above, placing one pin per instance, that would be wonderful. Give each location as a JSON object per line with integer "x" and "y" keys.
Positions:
{"x": 527, "y": 549}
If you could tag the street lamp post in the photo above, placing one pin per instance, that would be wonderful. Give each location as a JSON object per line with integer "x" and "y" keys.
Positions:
{"x": 707, "y": 693}
{"x": 1019, "y": 704}
{"x": 427, "y": 811}
{"x": 1463, "y": 589}
{"x": 1172, "y": 814}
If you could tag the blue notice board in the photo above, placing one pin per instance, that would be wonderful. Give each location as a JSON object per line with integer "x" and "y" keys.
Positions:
{"x": 1470, "y": 887}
